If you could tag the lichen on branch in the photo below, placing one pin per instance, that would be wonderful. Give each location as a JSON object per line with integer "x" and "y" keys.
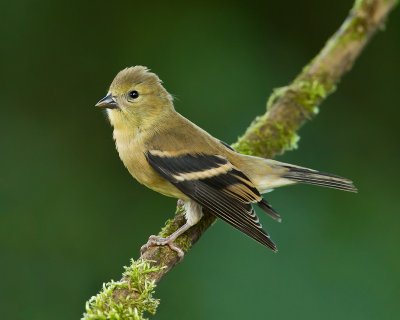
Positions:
{"x": 270, "y": 134}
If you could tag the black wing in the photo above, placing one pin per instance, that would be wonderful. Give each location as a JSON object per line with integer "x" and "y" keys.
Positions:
{"x": 214, "y": 183}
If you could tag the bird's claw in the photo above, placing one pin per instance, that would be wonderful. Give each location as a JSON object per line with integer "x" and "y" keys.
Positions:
{"x": 160, "y": 241}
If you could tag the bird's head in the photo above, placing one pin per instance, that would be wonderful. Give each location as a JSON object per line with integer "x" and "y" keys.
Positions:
{"x": 136, "y": 97}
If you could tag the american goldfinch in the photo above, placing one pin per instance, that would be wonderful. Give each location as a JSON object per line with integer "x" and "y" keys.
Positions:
{"x": 171, "y": 155}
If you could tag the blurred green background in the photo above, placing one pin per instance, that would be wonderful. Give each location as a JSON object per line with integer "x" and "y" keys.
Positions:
{"x": 71, "y": 216}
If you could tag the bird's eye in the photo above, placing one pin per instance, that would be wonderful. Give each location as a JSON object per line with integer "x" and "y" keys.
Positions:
{"x": 133, "y": 94}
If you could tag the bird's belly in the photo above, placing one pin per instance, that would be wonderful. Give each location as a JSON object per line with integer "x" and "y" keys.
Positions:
{"x": 154, "y": 181}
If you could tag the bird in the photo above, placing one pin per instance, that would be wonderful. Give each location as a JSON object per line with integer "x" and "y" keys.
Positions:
{"x": 171, "y": 155}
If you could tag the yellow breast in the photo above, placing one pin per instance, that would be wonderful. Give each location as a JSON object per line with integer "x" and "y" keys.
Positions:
{"x": 131, "y": 148}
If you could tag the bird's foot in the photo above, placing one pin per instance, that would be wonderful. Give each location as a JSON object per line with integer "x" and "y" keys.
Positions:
{"x": 160, "y": 241}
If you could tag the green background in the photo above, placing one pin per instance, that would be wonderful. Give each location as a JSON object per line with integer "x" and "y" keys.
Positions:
{"x": 71, "y": 216}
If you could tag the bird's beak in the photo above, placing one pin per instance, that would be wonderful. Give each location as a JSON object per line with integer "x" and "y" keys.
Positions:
{"x": 108, "y": 102}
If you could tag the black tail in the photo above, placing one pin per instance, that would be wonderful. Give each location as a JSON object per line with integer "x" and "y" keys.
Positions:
{"x": 304, "y": 175}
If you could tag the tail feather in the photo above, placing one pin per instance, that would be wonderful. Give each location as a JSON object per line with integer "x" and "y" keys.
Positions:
{"x": 309, "y": 176}
{"x": 263, "y": 204}
{"x": 267, "y": 174}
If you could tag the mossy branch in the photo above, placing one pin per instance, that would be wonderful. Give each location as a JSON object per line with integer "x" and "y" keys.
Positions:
{"x": 288, "y": 109}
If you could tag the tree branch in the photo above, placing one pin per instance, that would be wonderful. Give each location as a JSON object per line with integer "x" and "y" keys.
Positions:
{"x": 288, "y": 109}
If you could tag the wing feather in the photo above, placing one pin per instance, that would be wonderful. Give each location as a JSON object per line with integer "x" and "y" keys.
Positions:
{"x": 214, "y": 183}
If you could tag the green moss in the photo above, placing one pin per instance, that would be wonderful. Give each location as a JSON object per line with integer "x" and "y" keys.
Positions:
{"x": 275, "y": 95}
{"x": 358, "y": 4}
{"x": 306, "y": 93}
{"x": 294, "y": 142}
{"x": 184, "y": 242}
{"x": 171, "y": 225}
{"x": 251, "y": 147}
{"x": 356, "y": 30}
{"x": 127, "y": 299}
{"x": 310, "y": 93}
{"x": 282, "y": 138}
{"x": 356, "y": 27}
{"x": 243, "y": 146}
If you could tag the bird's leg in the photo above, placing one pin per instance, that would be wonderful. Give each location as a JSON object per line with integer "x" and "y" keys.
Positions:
{"x": 168, "y": 241}
{"x": 193, "y": 215}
